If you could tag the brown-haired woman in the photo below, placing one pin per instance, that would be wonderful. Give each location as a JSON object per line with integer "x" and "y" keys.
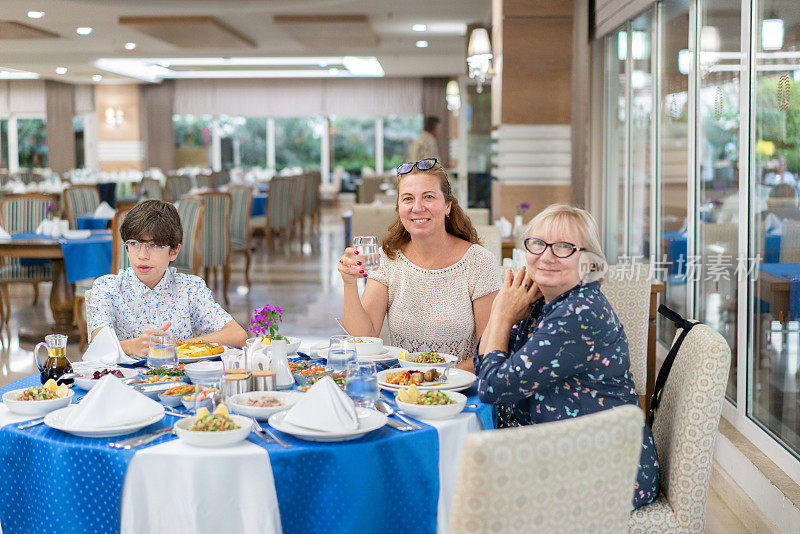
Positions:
{"x": 435, "y": 283}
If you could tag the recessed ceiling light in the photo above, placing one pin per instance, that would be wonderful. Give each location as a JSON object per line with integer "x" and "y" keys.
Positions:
{"x": 35, "y": 14}
{"x": 61, "y": 70}
{"x": 97, "y": 77}
{"x": 419, "y": 27}
{"x": 83, "y": 30}
{"x": 422, "y": 44}
{"x": 130, "y": 46}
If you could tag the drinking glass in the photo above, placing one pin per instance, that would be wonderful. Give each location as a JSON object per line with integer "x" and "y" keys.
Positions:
{"x": 367, "y": 247}
{"x": 361, "y": 383}
{"x": 341, "y": 350}
{"x": 163, "y": 352}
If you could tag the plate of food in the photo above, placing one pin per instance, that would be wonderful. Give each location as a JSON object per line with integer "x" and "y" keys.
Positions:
{"x": 425, "y": 379}
{"x": 87, "y": 379}
{"x": 172, "y": 396}
{"x": 368, "y": 420}
{"x": 194, "y": 351}
{"x": 426, "y": 359}
{"x": 38, "y": 400}
{"x": 204, "y": 398}
{"x": 386, "y": 355}
{"x": 154, "y": 389}
{"x": 218, "y": 429}
{"x": 430, "y": 404}
{"x": 262, "y": 404}
{"x": 58, "y": 418}
{"x": 338, "y": 378}
{"x": 165, "y": 371}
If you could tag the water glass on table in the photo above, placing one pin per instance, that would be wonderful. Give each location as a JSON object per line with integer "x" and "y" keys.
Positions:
{"x": 163, "y": 352}
{"x": 361, "y": 383}
{"x": 341, "y": 350}
{"x": 367, "y": 248}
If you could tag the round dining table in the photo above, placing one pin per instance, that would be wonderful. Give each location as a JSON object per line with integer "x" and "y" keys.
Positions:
{"x": 386, "y": 481}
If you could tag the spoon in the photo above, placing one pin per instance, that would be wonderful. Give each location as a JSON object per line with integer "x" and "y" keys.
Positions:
{"x": 341, "y": 324}
{"x": 389, "y": 411}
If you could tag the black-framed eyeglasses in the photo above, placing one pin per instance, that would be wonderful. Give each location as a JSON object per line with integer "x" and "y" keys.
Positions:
{"x": 423, "y": 165}
{"x": 135, "y": 246}
{"x": 560, "y": 249}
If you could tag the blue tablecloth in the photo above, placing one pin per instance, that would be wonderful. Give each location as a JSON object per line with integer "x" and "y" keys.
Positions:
{"x": 90, "y": 222}
{"x": 83, "y": 258}
{"x": 790, "y": 272}
{"x": 259, "y": 205}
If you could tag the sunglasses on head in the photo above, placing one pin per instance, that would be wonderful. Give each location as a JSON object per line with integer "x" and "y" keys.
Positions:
{"x": 423, "y": 165}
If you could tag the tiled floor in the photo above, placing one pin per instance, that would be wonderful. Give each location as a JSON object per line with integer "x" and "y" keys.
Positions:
{"x": 302, "y": 279}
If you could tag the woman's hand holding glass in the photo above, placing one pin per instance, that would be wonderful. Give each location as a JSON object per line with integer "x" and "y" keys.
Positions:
{"x": 519, "y": 292}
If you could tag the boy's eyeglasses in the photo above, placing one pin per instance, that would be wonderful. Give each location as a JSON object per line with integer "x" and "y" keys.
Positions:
{"x": 561, "y": 249}
{"x": 423, "y": 165}
{"x": 135, "y": 246}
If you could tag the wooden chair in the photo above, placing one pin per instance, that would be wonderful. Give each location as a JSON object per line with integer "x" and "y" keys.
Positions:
{"x": 177, "y": 186}
{"x": 575, "y": 475}
{"x": 150, "y": 189}
{"x": 215, "y": 237}
{"x": 203, "y": 181}
{"x": 191, "y": 211}
{"x": 298, "y": 210}
{"x": 242, "y": 198}
{"x": 220, "y": 178}
{"x": 22, "y": 213}
{"x": 279, "y": 209}
{"x": 369, "y": 219}
{"x": 311, "y": 204}
{"x": 79, "y": 200}
{"x": 330, "y": 192}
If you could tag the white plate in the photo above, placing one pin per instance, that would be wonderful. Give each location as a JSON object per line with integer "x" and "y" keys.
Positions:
{"x": 222, "y": 438}
{"x": 57, "y": 419}
{"x": 457, "y": 380}
{"x": 88, "y": 383}
{"x": 213, "y": 357}
{"x": 442, "y": 411}
{"x": 287, "y": 398}
{"x": 37, "y": 407}
{"x": 368, "y": 346}
{"x": 388, "y": 354}
{"x": 292, "y": 344}
{"x": 368, "y": 420}
{"x": 414, "y": 365}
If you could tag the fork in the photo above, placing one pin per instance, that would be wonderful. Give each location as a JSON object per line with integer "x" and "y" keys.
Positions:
{"x": 259, "y": 430}
{"x": 39, "y": 421}
{"x": 443, "y": 376}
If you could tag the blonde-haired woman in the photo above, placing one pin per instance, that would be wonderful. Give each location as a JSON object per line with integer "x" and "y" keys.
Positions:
{"x": 435, "y": 283}
{"x": 553, "y": 347}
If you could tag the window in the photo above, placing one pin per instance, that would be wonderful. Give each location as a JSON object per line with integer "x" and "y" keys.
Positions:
{"x": 32, "y": 143}
{"x": 298, "y": 143}
{"x": 398, "y": 134}
{"x": 251, "y": 142}
{"x": 192, "y": 140}
{"x": 615, "y": 149}
{"x": 353, "y": 143}
{"x": 4, "y": 144}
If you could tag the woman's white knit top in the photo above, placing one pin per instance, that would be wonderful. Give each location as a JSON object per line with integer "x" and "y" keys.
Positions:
{"x": 432, "y": 309}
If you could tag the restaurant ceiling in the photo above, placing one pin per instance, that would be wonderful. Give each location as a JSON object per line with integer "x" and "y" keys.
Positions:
{"x": 264, "y": 28}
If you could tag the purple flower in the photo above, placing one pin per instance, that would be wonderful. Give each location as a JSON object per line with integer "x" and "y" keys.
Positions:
{"x": 51, "y": 209}
{"x": 525, "y": 206}
{"x": 265, "y": 319}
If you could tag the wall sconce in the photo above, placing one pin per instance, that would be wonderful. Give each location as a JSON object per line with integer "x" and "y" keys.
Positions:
{"x": 479, "y": 57}
{"x": 114, "y": 116}
{"x": 453, "y": 96}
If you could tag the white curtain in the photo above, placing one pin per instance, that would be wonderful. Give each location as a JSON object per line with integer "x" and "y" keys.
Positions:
{"x": 22, "y": 96}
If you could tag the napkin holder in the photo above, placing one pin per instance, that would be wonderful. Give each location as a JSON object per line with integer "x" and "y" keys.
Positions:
{"x": 256, "y": 355}
{"x": 280, "y": 364}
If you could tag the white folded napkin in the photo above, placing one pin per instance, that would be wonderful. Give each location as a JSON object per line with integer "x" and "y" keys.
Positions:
{"x": 104, "y": 211}
{"x": 325, "y": 408}
{"x": 105, "y": 348}
{"x": 506, "y": 228}
{"x": 4, "y": 234}
{"x": 53, "y": 228}
{"x": 77, "y": 234}
{"x": 111, "y": 403}
{"x": 16, "y": 187}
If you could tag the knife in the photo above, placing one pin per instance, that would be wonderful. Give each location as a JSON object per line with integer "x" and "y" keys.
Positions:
{"x": 131, "y": 443}
{"x": 398, "y": 425}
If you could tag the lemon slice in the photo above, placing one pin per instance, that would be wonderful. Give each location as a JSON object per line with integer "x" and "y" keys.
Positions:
{"x": 266, "y": 341}
{"x": 202, "y": 412}
{"x": 51, "y": 385}
{"x": 403, "y": 355}
{"x": 221, "y": 410}
{"x": 62, "y": 391}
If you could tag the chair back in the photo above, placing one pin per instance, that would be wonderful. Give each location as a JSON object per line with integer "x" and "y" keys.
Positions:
{"x": 371, "y": 219}
{"x": 311, "y": 204}
{"x": 191, "y": 211}
{"x": 203, "y": 181}
{"x": 298, "y": 196}
{"x": 150, "y": 189}
{"x": 478, "y": 215}
{"x": 336, "y": 179}
{"x": 491, "y": 239}
{"x": 575, "y": 475}
{"x": 119, "y": 258}
{"x": 627, "y": 288}
{"x": 80, "y": 200}
{"x": 369, "y": 187}
{"x": 279, "y": 204}
{"x": 177, "y": 186}
{"x": 790, "y": 242}
{"x": 219, "y": 178}
{"x": 215, "y": 235}
{"x": 241, "y": 207}
{"x": 684, "y": 431}
{"x": 24, "y": 212}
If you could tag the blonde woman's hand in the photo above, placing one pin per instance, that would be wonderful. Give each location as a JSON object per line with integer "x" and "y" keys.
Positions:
{"x": 513, "y": 302}
{"x": 350, "y": 266}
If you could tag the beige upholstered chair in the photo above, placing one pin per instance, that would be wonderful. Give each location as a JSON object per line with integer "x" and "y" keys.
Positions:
{"x": 478, "y": 215}
{"x": 576, "y": 475}
{"x": 684, "y": 431}
{"x": 491, "y": 239}
{"x": 369, "y": 219}
{"x": 79, "y": 200}
{"x": 790, "y": 242}
{"x": 627, "y": 288}
{"x": 330, "y": 192}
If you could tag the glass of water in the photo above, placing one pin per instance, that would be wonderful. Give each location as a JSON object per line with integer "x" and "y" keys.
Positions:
{"x": 163, "y": 352}
{"x": 361, "y": 383}
{"x": 367, "y": 247}
{"x": 341, "y": 350}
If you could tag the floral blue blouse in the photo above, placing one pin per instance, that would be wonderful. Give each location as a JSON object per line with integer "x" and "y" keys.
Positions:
{"x": 568, "y": 358}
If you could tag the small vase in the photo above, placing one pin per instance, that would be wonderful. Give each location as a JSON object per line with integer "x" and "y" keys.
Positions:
{"x": 280, "y": 364}
{"x": 517, "y": 221}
